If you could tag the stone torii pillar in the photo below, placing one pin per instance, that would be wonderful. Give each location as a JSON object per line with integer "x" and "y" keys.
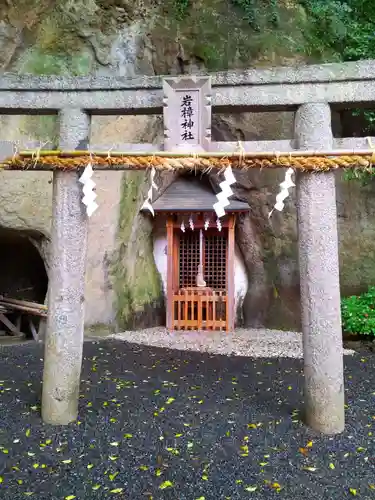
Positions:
{"x": 319, "y": 277}
{"x": 65, "y": 322}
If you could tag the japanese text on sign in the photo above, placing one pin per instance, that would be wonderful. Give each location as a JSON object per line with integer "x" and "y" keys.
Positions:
{"x": 187, "y": 115}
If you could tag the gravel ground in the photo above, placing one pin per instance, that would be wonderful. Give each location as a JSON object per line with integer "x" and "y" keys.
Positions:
{"x": 254, "y": 343}
{"x": 172, "y": 425}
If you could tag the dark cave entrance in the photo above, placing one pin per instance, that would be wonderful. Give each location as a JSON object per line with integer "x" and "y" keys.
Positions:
{"x": 23, "y": 281}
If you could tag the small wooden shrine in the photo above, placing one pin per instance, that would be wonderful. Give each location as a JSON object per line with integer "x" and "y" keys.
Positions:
{"x": 200, "y": 256}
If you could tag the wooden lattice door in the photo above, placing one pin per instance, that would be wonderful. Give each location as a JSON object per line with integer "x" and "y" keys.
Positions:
{"x": 201, "y": 307}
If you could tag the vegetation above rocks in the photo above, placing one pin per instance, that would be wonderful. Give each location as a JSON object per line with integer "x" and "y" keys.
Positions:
{"x": 332, "y": 29}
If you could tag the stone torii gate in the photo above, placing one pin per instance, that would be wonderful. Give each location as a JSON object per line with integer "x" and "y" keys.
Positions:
{"x": 309, "y": 91}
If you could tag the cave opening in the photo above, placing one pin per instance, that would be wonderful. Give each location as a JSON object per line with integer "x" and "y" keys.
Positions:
{"x": 23, "y": 282}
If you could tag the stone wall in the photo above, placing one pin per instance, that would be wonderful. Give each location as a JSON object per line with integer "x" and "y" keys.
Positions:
{"x": 114, "y": 292}
{"x": 146, "y": 38}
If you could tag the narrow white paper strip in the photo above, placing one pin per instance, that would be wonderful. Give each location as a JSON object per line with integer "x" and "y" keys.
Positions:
{"x": 147, "y": 203}
{"x": 226, "y": 191}
{"x": 88, "y": 190}
{"x": 284, "y": 192}
{"x": 219, "y": 209}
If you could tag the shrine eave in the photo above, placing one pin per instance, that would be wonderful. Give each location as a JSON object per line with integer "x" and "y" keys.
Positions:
{"x": 189, "y": 194}
{"x": 228, "y": 210}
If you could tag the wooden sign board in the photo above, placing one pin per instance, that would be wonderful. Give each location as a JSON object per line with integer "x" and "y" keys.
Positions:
{"x": 187, "y": 114}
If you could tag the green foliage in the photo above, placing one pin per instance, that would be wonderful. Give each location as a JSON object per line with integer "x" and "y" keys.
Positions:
{"x": 221, "y": 35}
{"x": 345, "y": 28}
{"x": 358, "y": 313}
{"x": 181, "y": 8}
{"x": 259, "y": 12}
{"x": 336, "y": 30}
{"x": 361, "y": 175}
{"x": 345, "y": 31}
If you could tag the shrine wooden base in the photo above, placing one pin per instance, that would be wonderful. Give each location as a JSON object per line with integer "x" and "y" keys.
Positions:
{"x": 200, "y": 309}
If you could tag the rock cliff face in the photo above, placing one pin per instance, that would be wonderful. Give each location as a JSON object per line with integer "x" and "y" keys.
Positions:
{"x": 159, "y": 37}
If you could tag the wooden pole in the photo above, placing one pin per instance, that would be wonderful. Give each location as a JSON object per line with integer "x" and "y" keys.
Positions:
{"x": 170, "y": 277}
{"x": 230, "y": 275}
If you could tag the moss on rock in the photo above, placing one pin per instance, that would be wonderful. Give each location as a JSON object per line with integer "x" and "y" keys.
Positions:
{"x": 137, "y": 282}
{"x": 220, "y": 35}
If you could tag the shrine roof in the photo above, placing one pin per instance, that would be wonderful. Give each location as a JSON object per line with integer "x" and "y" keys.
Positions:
{"x": 192, "y": 195}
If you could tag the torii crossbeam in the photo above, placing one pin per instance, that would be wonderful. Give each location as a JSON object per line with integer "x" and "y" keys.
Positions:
{"x": 314, "y": 155}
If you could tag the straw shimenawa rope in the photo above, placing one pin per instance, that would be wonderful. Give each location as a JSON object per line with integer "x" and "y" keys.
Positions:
{"x": 77, "y": 160}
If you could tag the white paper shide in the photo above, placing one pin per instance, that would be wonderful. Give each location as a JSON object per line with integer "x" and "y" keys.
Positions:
{"x": 284, "y": 192}
{"x": 226, "y": 191}
{"x": 148, "y": 202}
{"x": 89, "y": 195}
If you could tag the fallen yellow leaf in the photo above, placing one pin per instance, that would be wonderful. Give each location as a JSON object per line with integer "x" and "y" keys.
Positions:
{"x": 166, "y": 484}
{"x": 251, "y": 488}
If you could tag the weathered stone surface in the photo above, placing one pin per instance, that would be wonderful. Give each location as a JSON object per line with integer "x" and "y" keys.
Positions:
{"x": 122, "y": 278}
{"x": 108, "y": 96}
{"x": 133, "y": 49}
{"x": 319, "y": 277}
{"x": 26, "y": 200}
{"x": 10, "y": 37}
{"x": 66, "y": 295}
{"x": 25, "y": 196}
